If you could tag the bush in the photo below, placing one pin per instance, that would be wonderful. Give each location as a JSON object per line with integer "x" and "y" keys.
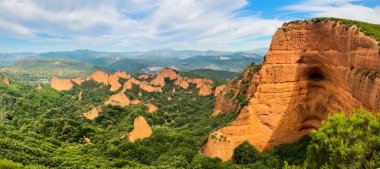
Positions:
{"x": 346, "y": 142}
{"x": 7, "y": 164}
{"x": 245, "y": 153}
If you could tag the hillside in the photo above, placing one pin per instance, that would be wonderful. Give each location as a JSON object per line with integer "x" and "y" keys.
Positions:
{"x": 215, "y": 74}
{"x": 61, "y": 133}
{"x": 41, "y": 70}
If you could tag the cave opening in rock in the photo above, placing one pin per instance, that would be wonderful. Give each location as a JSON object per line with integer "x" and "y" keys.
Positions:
{"x": 315, "y": 74}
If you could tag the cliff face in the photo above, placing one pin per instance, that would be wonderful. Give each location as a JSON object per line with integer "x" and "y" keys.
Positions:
{"x": 229, "y": 97}
{"x": 112, "y": 80}
{"x": 311, "y": 68}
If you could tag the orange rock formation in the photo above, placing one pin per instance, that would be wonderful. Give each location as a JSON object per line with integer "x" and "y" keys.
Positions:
{"x": 244, "y": 87}
{"x": 205, "y": 90}
{"x": 6, "y": 80}
{"x": 79, "y": 81}
{"x": 311, "y": 68}
{"x": 39, "y": 87}
{"x": 152, "y": 107}
{"x": 144, "y": 76}
{"x": 140, "y": 130}
{"x": 134, "y": 102}
{"x": 61, "y": 84}
{"x": 150, "y": 88}
{"x": 127, "y": 85}
{"x": 123, "y": 75}
{"x": 181, "y": 82}
{"x": 102, "y": 77}
{"x": 158, "y": 81}
{"x": 93, "y": 113}
{"x": 169, "y": 73}
{"x": 119, "y": 99}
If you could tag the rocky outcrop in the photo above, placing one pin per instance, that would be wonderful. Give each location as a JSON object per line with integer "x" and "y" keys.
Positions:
{"x": 6, "y": 80}
{"x": 135, "y": 81}
{"x": 119, "y": 99}
{"x": 141, "y": 129}
{"x": 102, "y": 77}
{"x": 123, "y": 75}
{"x": 39, "y": 87}
{"x": 151, "y": 107}
{"x": 92, "y": 114}
{"x": 227, "y": 101}
{"x": 80, "y": 95}
{"x": 149, "y": 88}
{"x": 79, "y": 81}
{"x": 127, "y": 85}
{"x": 158, "y": 81}
{"x": 169, "y": 73}
{"x": 180, "y": 81}
{"x": 135, "y": 102}
{"x": 311, "y": 68}
{"x": 231, "y": 97}
{"x": 200, "y": 82}
{"x": 219, "y": 90}
{"x": 144, "y": 76}
{"x": 205, "y": 90}
{"x": 87, "y": 139}
{"x": 61, "y": 84}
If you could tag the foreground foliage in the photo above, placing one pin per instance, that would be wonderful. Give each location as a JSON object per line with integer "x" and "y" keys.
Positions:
{"x": 346, "y": 142}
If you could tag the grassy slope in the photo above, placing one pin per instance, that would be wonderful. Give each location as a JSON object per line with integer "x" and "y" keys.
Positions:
{"x": 369, "y": 29}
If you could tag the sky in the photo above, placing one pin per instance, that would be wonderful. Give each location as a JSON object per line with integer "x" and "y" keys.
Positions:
{"x": 143, "y": 25}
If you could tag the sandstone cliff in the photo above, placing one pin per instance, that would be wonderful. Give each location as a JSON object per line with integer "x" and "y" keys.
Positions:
{"x": 237, "y": 92}
{"x": 311, "y": 68}
{"x": 141, "y": 129}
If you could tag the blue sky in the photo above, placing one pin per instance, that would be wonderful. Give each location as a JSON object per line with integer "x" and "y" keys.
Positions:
{"x": 142, "y": 25}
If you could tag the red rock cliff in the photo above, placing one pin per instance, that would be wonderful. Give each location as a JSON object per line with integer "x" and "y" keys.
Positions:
{"x": 229, "y": 97}
{"x": 311, "y": 68}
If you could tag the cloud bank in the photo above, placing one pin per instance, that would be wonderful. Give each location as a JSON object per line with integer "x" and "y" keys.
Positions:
{"x": 135, "y": 24}
{"x": 130, "y": 25}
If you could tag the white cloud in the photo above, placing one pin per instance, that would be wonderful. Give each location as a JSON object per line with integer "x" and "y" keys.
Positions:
{"x": 338, "y": 8}
{"x": 136, "y": 24}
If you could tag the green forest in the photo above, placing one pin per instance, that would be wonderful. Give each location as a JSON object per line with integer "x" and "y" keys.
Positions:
{"x": 43, "y": 129}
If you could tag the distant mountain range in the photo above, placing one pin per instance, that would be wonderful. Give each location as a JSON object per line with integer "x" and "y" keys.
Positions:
{"x": 74, "y": 62}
